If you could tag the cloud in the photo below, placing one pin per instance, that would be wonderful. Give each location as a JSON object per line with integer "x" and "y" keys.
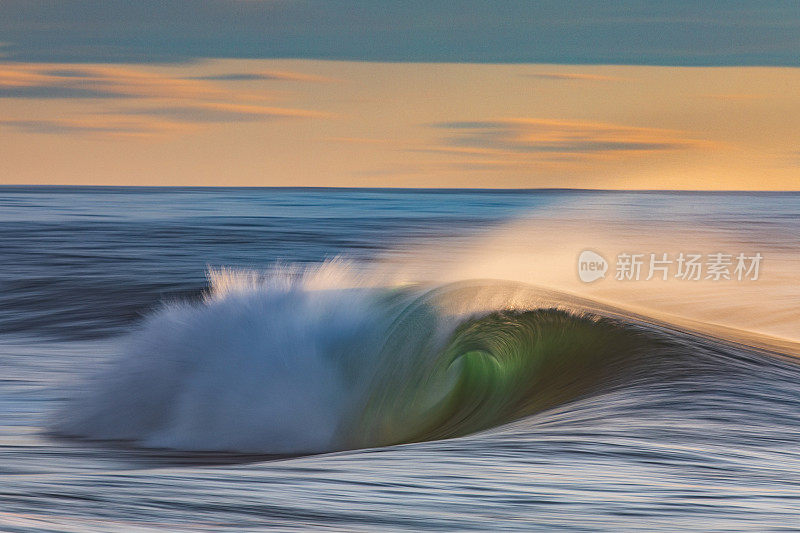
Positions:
{"x": 156, "y": 121}
{"x": 118, "y": 126}
{"x": 564, "y": 76}
{"x": 272, "y": 75}
{"x": 159, "y": 103}
{"x": 42, "y": 80}
{"x": 215, "y": 112}
{"x": 564, "y": 138}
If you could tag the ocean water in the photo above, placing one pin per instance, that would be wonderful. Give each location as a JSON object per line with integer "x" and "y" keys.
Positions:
{"x": 358, "y": 360}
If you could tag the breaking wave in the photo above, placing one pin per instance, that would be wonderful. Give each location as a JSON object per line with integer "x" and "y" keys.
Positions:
{"x": 305, "y": 361}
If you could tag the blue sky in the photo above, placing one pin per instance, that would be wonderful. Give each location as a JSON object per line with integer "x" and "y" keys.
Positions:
{"x": 592, "y": 32}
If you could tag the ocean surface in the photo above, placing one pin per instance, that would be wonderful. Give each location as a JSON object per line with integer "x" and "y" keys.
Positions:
{"x": 197, "y": 359}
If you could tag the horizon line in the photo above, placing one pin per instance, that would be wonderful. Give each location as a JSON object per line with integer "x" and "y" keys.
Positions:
{"x": 389, "y": 188}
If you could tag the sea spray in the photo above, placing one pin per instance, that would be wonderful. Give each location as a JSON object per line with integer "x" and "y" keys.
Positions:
{"x": 305, "y": 360}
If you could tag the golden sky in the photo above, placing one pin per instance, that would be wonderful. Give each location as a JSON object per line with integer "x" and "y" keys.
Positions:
{"x": 271, "y": 122}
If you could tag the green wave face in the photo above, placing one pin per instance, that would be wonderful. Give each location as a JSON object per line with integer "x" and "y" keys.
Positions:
{"x": 497, "y": 369}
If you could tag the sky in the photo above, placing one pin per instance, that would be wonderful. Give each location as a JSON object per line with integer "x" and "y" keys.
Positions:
{"x": 619, "y": 95}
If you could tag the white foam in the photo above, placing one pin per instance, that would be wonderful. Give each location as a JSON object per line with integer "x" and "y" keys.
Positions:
{"x": 264, "y": 364}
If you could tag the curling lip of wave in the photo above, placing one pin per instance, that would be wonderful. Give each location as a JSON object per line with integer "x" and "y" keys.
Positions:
{"x": 315, "y": 360}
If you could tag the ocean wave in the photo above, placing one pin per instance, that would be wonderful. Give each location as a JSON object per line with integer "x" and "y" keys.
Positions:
{"x": 320, "y": 359}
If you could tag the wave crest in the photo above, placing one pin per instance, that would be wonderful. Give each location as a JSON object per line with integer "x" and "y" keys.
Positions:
{"x": 304, "y": 361}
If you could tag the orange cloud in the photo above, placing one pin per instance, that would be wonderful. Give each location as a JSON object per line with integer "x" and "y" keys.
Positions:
{"x": 116, "y": 126}
{"x": 218, "y": 112}
{"x": 562, "y": 138}
{"x": 265, "y": 75}
{"x": 568, "y": 76}
{"x": 42, "y": 80}
{"x": 162, "y": 103}
{"x": 157, "y": 121}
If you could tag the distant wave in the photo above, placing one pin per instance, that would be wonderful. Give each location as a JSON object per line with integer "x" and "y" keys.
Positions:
{"x": 305, "y": 361}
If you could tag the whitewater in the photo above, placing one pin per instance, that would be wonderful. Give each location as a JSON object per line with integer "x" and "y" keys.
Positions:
{"x": 230, "y": 359}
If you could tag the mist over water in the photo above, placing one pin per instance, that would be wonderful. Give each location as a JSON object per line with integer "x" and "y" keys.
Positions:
{"x": 183, "y": 350}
